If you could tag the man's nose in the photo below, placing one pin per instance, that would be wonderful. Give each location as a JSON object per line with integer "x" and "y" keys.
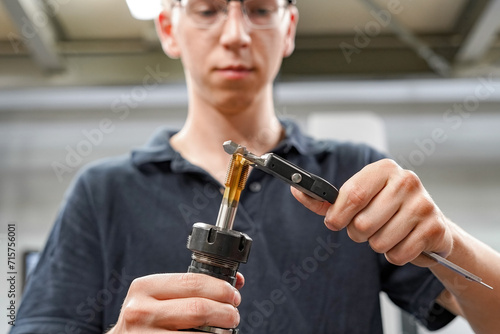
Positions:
{"x": 235, "y": 31}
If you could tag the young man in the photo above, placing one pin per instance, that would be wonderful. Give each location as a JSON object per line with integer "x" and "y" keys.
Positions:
{"x": 125, "y": 220}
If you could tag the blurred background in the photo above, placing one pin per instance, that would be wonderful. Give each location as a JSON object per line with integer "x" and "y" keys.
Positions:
{"x": 81, "y": 80}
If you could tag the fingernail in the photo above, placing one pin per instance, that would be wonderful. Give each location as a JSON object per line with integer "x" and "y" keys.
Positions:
{"x": 328, "y": 226}
{"x": 236, "y": 298}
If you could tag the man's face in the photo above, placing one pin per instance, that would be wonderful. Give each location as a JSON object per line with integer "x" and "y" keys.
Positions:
{"x": 230, "y": 63}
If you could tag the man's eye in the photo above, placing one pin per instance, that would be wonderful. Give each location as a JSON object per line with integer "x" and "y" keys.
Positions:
{"x": 206, "y": 12}
{"x": 260, "y": 11}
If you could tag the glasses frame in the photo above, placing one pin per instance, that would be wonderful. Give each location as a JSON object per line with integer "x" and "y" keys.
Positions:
{"x": 178, "y": 3}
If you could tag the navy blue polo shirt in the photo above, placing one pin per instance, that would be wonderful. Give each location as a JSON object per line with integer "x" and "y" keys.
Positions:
{"x": 130, "y": 216}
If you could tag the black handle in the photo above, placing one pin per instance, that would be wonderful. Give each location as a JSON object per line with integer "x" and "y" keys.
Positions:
{"x": 308, "y": 183}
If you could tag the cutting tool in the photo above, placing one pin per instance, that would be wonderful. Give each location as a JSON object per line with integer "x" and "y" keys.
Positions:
{"x": 308, "y": 183}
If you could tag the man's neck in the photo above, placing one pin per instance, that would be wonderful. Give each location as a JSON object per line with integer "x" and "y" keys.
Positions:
{"x": 206, "y": 129}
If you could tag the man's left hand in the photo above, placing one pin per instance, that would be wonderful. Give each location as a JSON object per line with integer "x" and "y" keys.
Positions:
{"x": 388, "y": 207}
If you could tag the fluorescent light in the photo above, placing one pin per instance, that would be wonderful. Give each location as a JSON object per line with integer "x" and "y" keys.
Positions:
{"x": 144, "y": 9}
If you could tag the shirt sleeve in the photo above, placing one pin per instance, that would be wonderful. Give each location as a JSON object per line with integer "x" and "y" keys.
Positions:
{"x": 415, "y": 290}
{"x": 63, "y": 291}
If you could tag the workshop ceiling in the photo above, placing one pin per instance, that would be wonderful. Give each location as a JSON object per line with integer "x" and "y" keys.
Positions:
{"x": 95, "y": 42}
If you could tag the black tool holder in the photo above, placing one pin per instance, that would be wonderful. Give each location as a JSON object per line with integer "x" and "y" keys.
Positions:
{"x": 217, "y": 252}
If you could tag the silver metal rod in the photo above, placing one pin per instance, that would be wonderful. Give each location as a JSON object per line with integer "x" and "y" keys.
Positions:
{"x": 450, "y": 265}
{"x": 227, "y": 213}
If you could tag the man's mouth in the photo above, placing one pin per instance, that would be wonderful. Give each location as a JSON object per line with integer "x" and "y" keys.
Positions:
{"x": 235, "y": 72}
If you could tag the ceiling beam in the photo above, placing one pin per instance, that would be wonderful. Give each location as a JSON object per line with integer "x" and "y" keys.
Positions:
{"x": 36, "y": 30}
{"x": 435, "y": 61}
{"x": 471, "y": 11}
{"x": 482, "y": 34}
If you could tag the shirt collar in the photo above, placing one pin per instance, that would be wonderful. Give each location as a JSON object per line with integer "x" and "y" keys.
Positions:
{"x": 158, "y": 148}
{"x": 294, "y": 139}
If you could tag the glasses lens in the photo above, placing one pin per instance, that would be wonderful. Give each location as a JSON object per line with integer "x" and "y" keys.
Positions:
{"x": 205, "y": 12}
{"x": 264, "y": 13}
{"x": 259, "y": 13}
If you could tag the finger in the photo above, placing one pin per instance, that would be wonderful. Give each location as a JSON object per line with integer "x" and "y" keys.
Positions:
{"x": 174, "y": 314}
{"x": 185, "y": 313}
{"x": 392, "y": 233}
{"x": 172, "y": 286}
{"x": 374, "y": 217}
{"x": 407, "y": 250}
{"x": 430, "y": 234}
{"x": 357, "y": 193}
{"x": 416, "y": 227}
{"x": 240, "y": 281}
{"x": 414, "y": 211}
{"x": 318, "y": 207}
{"x": 381, "y": 209}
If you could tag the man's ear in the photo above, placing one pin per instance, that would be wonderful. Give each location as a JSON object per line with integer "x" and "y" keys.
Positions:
{"x": 291, "y": 31}
{"x": 165, "y": 31}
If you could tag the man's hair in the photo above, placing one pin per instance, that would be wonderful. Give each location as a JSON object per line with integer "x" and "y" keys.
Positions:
{"x": 167, "y": 4}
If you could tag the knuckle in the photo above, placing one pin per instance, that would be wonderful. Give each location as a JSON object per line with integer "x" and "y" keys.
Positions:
{"x": 423, "y": 207}
{"x": 191, "y": 281}
{"x": 224, "y": 292}
{"x": 435, "y": 231}
{"x": 197, "y": 308}
{"x": 356, "y": 195}
{"x": 133, "y": 315}
{"x": 137, "y": 284}
{"x": 235, "y": 318}
{"x": 409, "y": 181}
{"x": 362, "y": 224}
{"x": 228, "y": 293}
{"x": 232, "y": 316}
{"x": 378, "y": 245}
{"x": 353, "y": 235}
{"x": 427, "y": 207}
{"x": 389, "y": 164}
{"x": 205, "y": 313}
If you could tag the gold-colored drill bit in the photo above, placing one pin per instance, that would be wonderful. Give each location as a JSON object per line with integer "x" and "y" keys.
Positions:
{"x": 235, "y": 182}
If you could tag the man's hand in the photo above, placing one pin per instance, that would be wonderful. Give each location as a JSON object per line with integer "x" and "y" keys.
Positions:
{"x": 169, "y": 302}
{"x": 388, "y": 207}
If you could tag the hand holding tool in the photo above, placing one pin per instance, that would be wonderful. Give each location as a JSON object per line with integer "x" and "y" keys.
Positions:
{"x": 319, "y": 189}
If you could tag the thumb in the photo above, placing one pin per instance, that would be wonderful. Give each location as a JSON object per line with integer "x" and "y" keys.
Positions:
{"x": 240, "y": 281}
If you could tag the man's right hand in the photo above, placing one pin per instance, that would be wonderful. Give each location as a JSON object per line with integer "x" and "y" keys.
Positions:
{"x": 170, "y": 302}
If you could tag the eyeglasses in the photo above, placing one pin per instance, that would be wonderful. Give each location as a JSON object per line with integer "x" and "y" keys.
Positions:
{"x": 259, "y": 14}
